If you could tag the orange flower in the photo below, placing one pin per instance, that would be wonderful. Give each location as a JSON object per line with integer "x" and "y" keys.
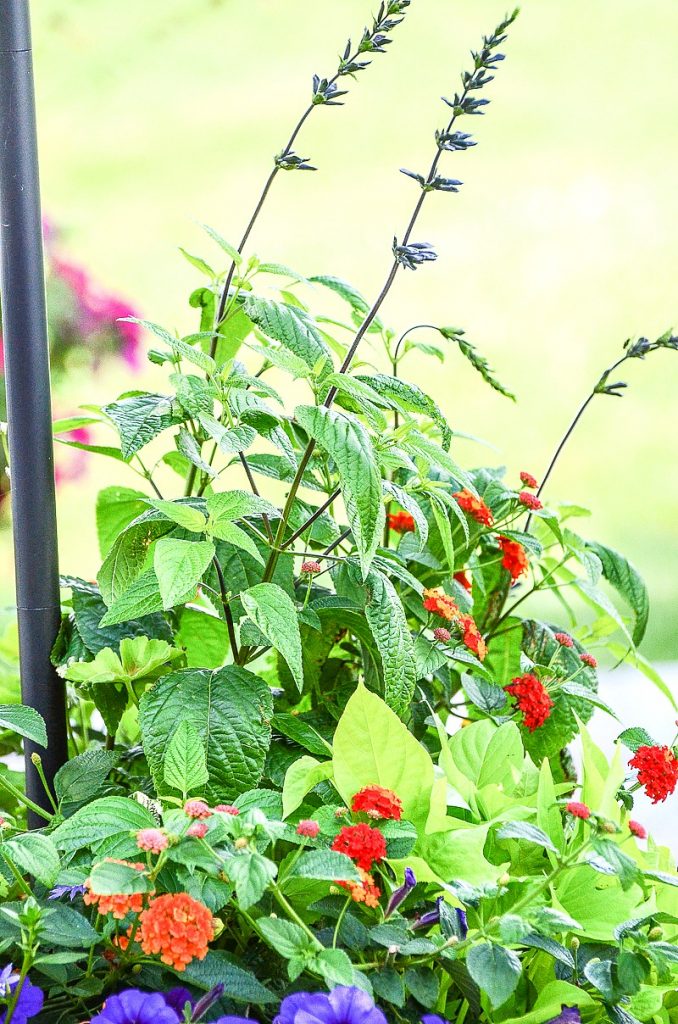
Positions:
{"x": 177, "y": 927}
{"x": 475, "y": 507}
{"x": 401, "y": 522}
{"x": 472, "y": 636}
{"x": 440, "y": 603}
{"x": 364, "y": 891}
{"x": 120, "y": 904}
{"x": 515, "y": 557}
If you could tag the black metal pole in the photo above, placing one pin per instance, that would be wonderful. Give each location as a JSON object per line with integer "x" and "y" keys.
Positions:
{"x": 24, "y": 325}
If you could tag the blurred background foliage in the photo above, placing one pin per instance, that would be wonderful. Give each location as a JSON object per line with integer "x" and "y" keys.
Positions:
{"x": 562, "y": 243}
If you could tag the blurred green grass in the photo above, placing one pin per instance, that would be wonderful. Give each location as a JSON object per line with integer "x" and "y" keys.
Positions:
{"x": 561, "y": 244}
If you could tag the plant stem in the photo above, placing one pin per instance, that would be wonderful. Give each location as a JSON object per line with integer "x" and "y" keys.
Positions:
{"x": 291, "y": 913}
{"x": 22, "y": 798}
{"x": 309, "y": 522}
{"x": 227, "y": 609}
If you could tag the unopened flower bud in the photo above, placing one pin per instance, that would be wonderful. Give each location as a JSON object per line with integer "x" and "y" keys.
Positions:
{"x": 452, "y": 941}
{"x": 574, "y": 943}
{"x": 609, "y": 827}
{"x": 241, "y": 843}
{"x": 504, "y": 879}
{"x": 36, "y": 759}
{"x": 655, "y": 933}
{"x": 136, "y": 969}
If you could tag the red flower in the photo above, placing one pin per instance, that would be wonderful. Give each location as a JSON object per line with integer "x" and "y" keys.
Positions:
{"x": 440, "y": 603}
{"x": 364, "y": 891}
{"x": 475, "y": 507}
{"x": 657, "y": 771}
{"x": 589, "y": 660}
{"x": 472, "y": 636}
{"x": 529, "y": 500}
{"x": 528, "y": 480}
{"x": 463, "y": 579}
{"x": 515, "y": 557}
{"x": 564, "y": 639}
{"x": 442, "y": 635}
{"x": 311, "y": 568}
{"x": 532, "y": 699}
{"x": 178, "y": 927}
{"x": 378, "y": 802}
{"x": 401, "y": 522}
{"x": 578, "y": 810}
{"x": 309, "y": 828}
{"x": 362, "y": 844}
{"x": 638, "y": 830}
{"x": 198, "y": 830}
{"x": 227, "y": 809}
{"x": 197, "y": 809}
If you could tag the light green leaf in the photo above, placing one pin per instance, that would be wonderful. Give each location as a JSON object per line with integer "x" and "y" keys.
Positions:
{"x": 105, "y": 818}
{"x": 180, "y": 565}
{"x": 528, "y": 833}
{"x": 293, "y": 328}
{"x": 180, "y": 513}
{"x": 372, "y": 746}
{"x": 252, "y": 875}
{"x": 34, "y": 854}
{"x": 140, "y": 598}
{"x": 138, "y": 419}
{"x": 273, "y": 612}
{"x": 116, "y": 508}
{"x": 350, "y": 447}
{"x": 628, "y": 582}
{"x": 326, "y": 865}
{"x": 232, "y": 505}
{"x": 285, "y": 937}
{"x": 301, "y": 777}
{"x": 25, "y": 721}
{"x": 225, "y": 530}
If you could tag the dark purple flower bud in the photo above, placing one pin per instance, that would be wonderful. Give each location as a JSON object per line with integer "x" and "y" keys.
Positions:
{"x": 207, "y": 1001}
{"x": 429, "y": 918}
{"x": 462, "y": 923}
{"x": 401, "y": 893}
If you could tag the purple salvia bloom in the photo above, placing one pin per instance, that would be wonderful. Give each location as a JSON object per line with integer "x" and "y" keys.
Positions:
{"x": 207, "y": 1001}
{"x": 462, "y": 923}
{"x": 401, "y": 893}
{"x": 66, "y": 890}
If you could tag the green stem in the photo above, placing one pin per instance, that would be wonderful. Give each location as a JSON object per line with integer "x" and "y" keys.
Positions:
{"x": 22, "y": 798}
{"x": 340, "y": 921}
{"x": 291, "y": 913}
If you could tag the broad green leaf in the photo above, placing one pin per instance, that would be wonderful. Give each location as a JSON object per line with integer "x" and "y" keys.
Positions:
{"x": 350, "y": 447}
{"x": 273, "y": 612}
{"x": 185, "y": 765}
{"x": 301, "y": 777}
{"x": 372, "y": 746}
{"x": 252, "y": 875}
{"x": 628, "y": 583}
{"x": 25, "y": 721}
{"x": 127, "y": 557}
{"x": 138, "y": 419}
{"x": 550, "y": 1001}
{"x": 110, "y": 877}
{"x": 101, "y": 819}
{"x": 230, "y": 709}
{"x": 388, "y": 623}
{"x": 528, "y": 833}
{"x": 182, "y": 514}
{"x": 83, "y": 776}
{"x": 180, "y": 565}
{"x": 409, "y": 397}
{"x": 285, "y": 937}
{"x": 495, "y": 970}
{"x": 483, "y": 755}
{"x": 116, "y": 508}
{"x": 34, "y": 854}
{"x": 198, "y": 263}
{"x": 189, "y": 447}
{"x": 411, "y": 505}
{"x": 293, "y": 328}
{"x": 239, "y": 984}
{"x": 232, "y": 505}
{"x": 422, "y": 447}
{"x": 225, "y": 530}
{"x": 326, "y": 865}
{"x": 204, "y": 637}
{"x": 359, "y": 305}
{"x": 140, "y": 598}
{"x": 231, "y": 442}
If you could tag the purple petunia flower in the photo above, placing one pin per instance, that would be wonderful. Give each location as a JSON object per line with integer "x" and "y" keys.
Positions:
{"x": 433, "y": 1018}
{"x": 343, "y": 1005}
{"x": 401, "y": 893}
{"x": 177, "y": 998}
{"x": 29, "y": 1003}
{"x": 135, "y": 1007}
{"x": 567, "y": 1015}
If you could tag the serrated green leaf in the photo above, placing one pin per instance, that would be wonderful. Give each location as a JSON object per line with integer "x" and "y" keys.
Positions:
{"x": 273, "y": 612}
{"x": 185, "y": 765}
{"x": 528, "y": 833}
{"x": 140, "y": 598}
{"x": 180, "y": 566}
{"x": 138, "y": 419}
{"x": 105, "y": 818}
{"x": 325, "y": 865}
{"x": 628, "y": 583}
{"x": 285, "y": 937}
{"x": 293, "y": 328}
{"x": 25, "y": 721}
{"x": 181, "y": 513}
{"x": 388, "y": 623}
{"x": 34, "y": 854}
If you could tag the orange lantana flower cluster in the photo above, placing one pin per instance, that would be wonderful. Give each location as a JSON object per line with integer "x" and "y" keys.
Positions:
{"x": 118, "y": 904}
{"x": 177, "y": 927}
{"x": 440, "y": 603}
{"x": 364, "y": 891}
{"x": 474, "y": 507}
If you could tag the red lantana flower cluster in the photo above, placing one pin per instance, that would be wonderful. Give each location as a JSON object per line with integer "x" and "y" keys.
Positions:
{"x": 472, "y": 636}
{"x": 362, "y": 843}
{"x": 578, "y": 810}
{"x": 365, "y": 891}
{"x": 515, "y": 557}
{"x": 474, "y": 507}
{"x": 401, "y": 522}
{"x": 462, "y": 578}
{"x": 378, "y": 802}
{"x": 657, "y": 769}
{"x": 564, "y": 639}
{"x": 588, "y": 660}
{"x": 440, "y": 603}
{"x": 532, "y": 700}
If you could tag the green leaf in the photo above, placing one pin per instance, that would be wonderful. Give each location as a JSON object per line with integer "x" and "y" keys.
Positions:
{"x": 636, "y": 737}
{"x": 34, "y": 854}
{"x": 483, "y": 755}
{"x": 116, "y": 508}
{"x": 204, "y": 638}
{"x": 140, "y": 598}
{"x": 110, "y": 877}
{"x": 229, "y": 708}
{"x": 198, "y": 263}
{"x": 411, "y": 505}
{"x": 295, "y": 728}
{"x": 409, "y": 397}
{"x": 139, "y": 419}
{"x": 335, "y": 966}
{"x": 372, "y": 746}
{"x": 350, "y": 447}
{"x": 180, "y": 565}
{"x": 83, "y": 776}
{"x": 628, "y": 582}
{"x": 252, "y": 875}
{"x": 301, "y": 777}
{"x": 189, "y": 447}
{"x": 106, "y": 818}
{"x": 229, "y": 249}
{"x": 231, "y": 533}
{"x": 285, "y": 937}
{"x": 388, "y": 623}
{"x": 25, "y": 721}
{"x": 231, "y": 442}
{"x": 185, "y": 766}
{"x": 528, "y": 833}
{"x": 182, "y": 514}
{"x": 293, "y": 328}
{"x": 325, "y": 865}
{"x": 495, "y": 970}
{"x": 273, "y": 612}
{"x": 232, "y": 505}
{"x": 128, "y": 555}
{"x": 239, "y": 984}
{"x": 359, "y": 305}
{"x": 424, "y": 984}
